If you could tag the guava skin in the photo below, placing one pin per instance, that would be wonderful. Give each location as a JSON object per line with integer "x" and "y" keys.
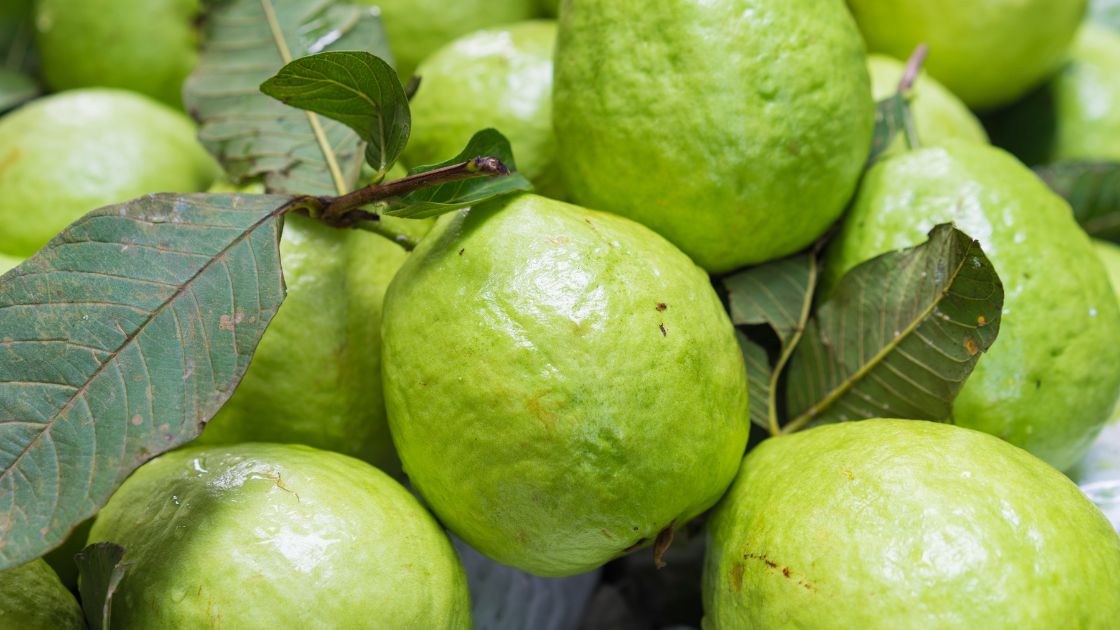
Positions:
{"x": 1041, "y": 385}
{"x": 906, "y": 524}
{"x": 988, "y": 53}
{"x": 147, "y": 46}
{"x": 32, "y": 598}
{"x": 501, "y": 78}
{"x": 64, "y": 155}
{"x": 562, "y": 384}
{"x": 938, "y": 114}
{"x": 270, "y": 536}
{"x": 737, "y": 129}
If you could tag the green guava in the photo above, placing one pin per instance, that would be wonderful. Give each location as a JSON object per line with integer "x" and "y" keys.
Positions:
{"x": 988, "y": 53}
{"x": 270, "y": 536}
{"x": 67, "y": 154}
{"x": 501, "y": 78}
{"x": 906, "y": 524}
{"x": 8, "y": 262}
{"x": 938, "y": 114}
{"x": 315, "y": 378}
{"x": 562, "y": 384}
{"x": 147, "y": 46}
{"x": 417, "y": 28}
{"x": 1041, "y": 385}
{"x": 32, "y": 598}
{"x": 737, "y": 129}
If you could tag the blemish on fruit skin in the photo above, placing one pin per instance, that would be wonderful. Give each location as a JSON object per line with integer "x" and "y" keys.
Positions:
{"x": 462, "y": 250}
{"x": 664, "y": 333}
{"x": 737, "y": 577}
{"x": 661, "y": 306}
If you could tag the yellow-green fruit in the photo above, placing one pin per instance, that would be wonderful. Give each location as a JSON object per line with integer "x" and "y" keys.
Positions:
{"x": 269, "y": 536}
{"x": 562, "y": 384}
{"x": 938, "y": 113}
{"x": 315, "y": 378}
{"x": 67, "y": 154}
{"x": 416, "y": 28}
{"x": 32, "y": 598}
{"x": 8, "y": 262}
{"x": 147, "y": 46}
{"x": 1042, "y": 385}
{"x": 501, "y": 78}
{"x": 906, "y": 525}
{"x": 988, "y": 53}
{"x": 737, "y": 129}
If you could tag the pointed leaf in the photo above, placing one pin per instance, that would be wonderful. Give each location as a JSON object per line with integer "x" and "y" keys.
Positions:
{"x": 890, "y": 120}
{"x": 355, "y": 88}
{"x": 102, "y": 570}
{"x": 245, "y": 42}
{"x": 118, "y": 341}
{"x": 1093, "y": 190}
{"x": 900, "y": 335}
{"x": 759, "y": 372}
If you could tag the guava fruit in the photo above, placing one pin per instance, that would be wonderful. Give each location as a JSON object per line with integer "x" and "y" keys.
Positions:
{"x": 499, "y": 77}
{"x": 1041, "y": 385}
{"x": 562, "y": 384}
{"x": 988, "y": 53}
{"x": 270, "y": 536}
{"x": 938, "y": 114}
{"x": 416, "y": 28}
{"x": 32, "y": 598}
{"x": 315, "y": 378}
{"x": 67, "y": 154}
{"x": 8, "y": 262}
{"x": 906, "y": 524}
{"x": 737, "y": 129}
{"x": 147, "y": 46}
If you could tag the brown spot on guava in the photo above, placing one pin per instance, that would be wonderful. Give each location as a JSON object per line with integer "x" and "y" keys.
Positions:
{"x": 736, "y": 576}
{"x": 462, "y": 250}
{"x": 664, "y": 333}
{"x": 661, "y": 306}
{"x": 785, "y": 571}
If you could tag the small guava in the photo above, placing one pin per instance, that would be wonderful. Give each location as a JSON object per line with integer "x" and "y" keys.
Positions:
{"x": 269, "y": 536}
{"x": 67, "y": 154}
{"x": 562, "y": 384}
{"x": 32, "y": 598}
{"x": 906, "y": 524}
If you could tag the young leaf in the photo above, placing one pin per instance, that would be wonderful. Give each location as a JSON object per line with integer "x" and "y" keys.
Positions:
{"x": 899, "y": 336}
{"x": 15, "y": 89}
{"x": 355, "y": 88}
{"x": 118, "y": 341}
{"x": 102, "y": 570}
{"x": 437, "y": 200}
{"x": 244, "y": 43}
{"x": 1093, "y": 190}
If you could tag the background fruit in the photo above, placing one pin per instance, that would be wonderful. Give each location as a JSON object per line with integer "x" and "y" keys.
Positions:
{"x": 1041, "y": 385}
{"x": 987, "y": 53}
{"x": 501, "y": 78}
{"x": 32, "y": 598}
{"x": 147, "y": 46}
{"x": 735, "y": 129}
{"x": 562, "y": 384}
{"x": 906, "y": 524}
{"x": 67, "y": 154}
{"x": 268, "y": 536}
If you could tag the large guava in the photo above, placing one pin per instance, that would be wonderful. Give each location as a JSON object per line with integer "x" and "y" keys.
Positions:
{"x": 500, "y": 77}
{"x": 32, "y": 598}
{"x": 67, "y": 154}
{"x": 269, "y": 536}
{"x": 907, "y": 524}
{"x": 737, "y": 129}
{"x": 1041, "y": 386}
{"x": 562, "y": 384}
{"x": 988, "y": 53}
{"x": 147, "y": 46}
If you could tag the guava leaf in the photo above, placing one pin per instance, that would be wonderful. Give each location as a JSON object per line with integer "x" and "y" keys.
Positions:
{"x": 245, "y": 42}
{"x": 16, "y": 88}
{"x": 1093, "y": 190}
{"x": 890, "y": 120}
{"x": 17, "y": 37}
{"x": 899, "y": 336}
{"x": 102, "y": 570}
{"x": 118, "y": 341}
{"x": 355, "y": 88}
{"x": 436, "y": 200}
{"x": 759, "y": 372}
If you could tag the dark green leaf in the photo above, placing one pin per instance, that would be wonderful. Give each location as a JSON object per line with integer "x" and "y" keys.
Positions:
{"x": 899, "y": 336}
{"x": 102, "y": 570}
{"x": 121, "y": 338}
{"x": 355, "y": 88}
{"x": 17, "y": 37}
{"x": 1093, "y": 190}
{"x": 251, "y": 133}
{"x": 759, "y": 372}
{"x": 15, "y": 89}
{"x": 437, "y": 200}
{"x": 890, "y": 120}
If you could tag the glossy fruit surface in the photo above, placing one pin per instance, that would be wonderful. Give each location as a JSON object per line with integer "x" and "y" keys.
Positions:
{"x": 32, "y": 598}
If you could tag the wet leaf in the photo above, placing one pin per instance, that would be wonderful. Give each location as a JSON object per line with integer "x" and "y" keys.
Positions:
{"x": 1092, "y": 190}
{"x": 102, "y": 570}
